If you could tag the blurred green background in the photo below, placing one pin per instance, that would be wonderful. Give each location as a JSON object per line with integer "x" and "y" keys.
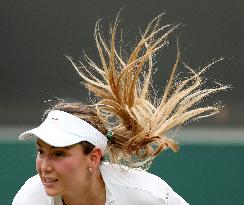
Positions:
{"x": 208, "y": 171}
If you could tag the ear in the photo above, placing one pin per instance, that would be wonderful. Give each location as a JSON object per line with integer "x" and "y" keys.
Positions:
{"x": 95, "y": 158}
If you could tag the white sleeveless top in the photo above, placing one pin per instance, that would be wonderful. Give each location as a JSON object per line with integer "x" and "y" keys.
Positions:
{"x": 123, "y": 186}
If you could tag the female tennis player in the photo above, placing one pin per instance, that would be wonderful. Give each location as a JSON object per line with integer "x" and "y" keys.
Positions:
{"x": 98, "y": 154}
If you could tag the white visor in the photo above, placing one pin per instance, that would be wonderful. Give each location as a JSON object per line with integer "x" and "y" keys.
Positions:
{"x": 61, "y": 129}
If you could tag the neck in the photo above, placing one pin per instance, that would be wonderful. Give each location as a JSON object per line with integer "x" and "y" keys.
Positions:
{"x": 93, "y": 194}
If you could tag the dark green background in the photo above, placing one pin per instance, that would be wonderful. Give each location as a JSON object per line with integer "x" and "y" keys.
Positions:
{"x": 36, "y": 34}
{"x": 202, "y": 174}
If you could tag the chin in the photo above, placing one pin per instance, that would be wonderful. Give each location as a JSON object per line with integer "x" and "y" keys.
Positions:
{"x": 52, "y": 193}
{"x": 51, "y": 188}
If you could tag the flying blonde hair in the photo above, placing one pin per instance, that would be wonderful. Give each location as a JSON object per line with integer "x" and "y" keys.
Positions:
{"x": 125, "y": 97}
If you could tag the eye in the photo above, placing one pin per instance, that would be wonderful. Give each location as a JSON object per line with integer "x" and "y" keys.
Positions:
{"x": 59, "y": 154}
{"x": 39, "y": 152}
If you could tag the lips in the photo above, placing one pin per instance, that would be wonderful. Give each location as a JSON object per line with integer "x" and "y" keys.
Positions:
{"x": 49, "y": 180}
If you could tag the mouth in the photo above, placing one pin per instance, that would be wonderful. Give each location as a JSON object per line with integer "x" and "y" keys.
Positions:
{"x": 49, "y": 181}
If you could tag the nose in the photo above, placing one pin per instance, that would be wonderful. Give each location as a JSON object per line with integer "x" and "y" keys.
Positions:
{"x": 46, "y": 165}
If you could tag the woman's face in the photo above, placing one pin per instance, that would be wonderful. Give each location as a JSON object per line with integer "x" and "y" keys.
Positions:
{"x": 62, "y": 169}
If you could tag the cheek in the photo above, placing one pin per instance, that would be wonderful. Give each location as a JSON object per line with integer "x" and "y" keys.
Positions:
{"x": 70, "y": 169}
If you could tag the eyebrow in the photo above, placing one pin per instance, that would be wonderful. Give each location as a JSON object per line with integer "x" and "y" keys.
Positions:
{"x": 52, "y": 147}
